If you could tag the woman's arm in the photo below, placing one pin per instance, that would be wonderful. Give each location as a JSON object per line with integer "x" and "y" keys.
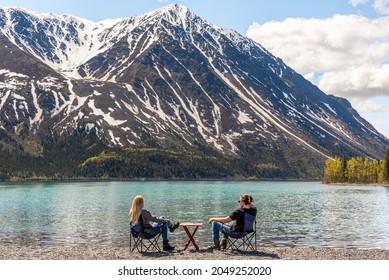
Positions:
{"x": 150, "y": 217}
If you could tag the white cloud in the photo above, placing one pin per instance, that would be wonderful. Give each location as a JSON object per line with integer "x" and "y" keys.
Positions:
{"x": 358, "y": 82}
{"x": 378, "y": 121}
{"x": 355, "y": 3}
{"x": 381, "y": 6}
{"x": 347, "y": 55}
{"x": 310, "y": 76}
{"x": 370, "y": 106}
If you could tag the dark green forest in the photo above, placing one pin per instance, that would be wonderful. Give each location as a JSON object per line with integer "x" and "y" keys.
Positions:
{"x": 80, "y": 156}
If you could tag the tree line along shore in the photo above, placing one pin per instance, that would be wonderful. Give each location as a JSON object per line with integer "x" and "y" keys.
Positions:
{"x": 357, "y": 170}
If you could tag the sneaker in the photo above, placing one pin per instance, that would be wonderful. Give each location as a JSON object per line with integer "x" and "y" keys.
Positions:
{"x": 174, "y": 227}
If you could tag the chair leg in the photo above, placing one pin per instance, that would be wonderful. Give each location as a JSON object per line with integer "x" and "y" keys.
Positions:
{"x": 232, "y": 243}
{"x": 244, "y": 243}
{"x": 135, "y": 243}
{"x": 144, "y": 245}
{"x": 255, "y": 241}
{"x": 130, "y": 241}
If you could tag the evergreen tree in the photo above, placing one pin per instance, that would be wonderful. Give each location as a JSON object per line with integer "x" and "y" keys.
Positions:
{"x": 344, "y": 169}
{"x": 386, "y": 167}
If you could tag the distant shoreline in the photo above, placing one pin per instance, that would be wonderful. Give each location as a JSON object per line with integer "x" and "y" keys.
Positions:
{"x": 91, "y": 180}
{"x": 159, "y": 180}
{"x": 357, "y": 184}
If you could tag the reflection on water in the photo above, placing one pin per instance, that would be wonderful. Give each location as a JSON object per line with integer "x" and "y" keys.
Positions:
{"x": 293, "y": 214}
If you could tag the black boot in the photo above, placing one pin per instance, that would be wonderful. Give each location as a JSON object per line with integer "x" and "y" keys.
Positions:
{"x": 214, "y": 246}
{"x": 166, "y": 246}
{"x": 223, "y": 244}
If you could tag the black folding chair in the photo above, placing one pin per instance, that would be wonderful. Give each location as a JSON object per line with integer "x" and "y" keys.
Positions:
{"x": 243, "y": 240}
{"x": 141, "y": 241}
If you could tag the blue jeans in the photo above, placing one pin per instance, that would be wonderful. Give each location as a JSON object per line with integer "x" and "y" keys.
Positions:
{"x": 217, "y": 227}
{"x": 157, "y": 228}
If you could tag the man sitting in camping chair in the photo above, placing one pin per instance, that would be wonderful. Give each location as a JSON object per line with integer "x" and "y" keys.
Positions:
{"x": 234, "y": 224}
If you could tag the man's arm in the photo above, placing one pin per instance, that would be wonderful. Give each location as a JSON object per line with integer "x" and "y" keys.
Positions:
{"x": 220, "y": 220}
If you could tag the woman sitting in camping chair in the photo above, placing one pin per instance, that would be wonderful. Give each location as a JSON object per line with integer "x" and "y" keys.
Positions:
{"x": 151, "y": 225}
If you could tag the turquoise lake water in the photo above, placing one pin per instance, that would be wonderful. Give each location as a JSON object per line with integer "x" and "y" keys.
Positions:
{"x": 290, "y": 214}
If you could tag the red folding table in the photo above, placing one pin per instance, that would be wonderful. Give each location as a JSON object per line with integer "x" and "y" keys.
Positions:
{"x": 191, "y": 235}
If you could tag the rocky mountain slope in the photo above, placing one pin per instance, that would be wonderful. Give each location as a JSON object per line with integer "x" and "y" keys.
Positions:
{"x": 170, "y": 82}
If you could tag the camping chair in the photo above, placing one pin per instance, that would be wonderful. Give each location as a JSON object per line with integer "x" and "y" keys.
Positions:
{"x": 237, "y": 240}
{"x": 141, "y": 241}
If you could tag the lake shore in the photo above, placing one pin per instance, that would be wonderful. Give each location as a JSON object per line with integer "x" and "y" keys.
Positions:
{"x": 20, "y": 252}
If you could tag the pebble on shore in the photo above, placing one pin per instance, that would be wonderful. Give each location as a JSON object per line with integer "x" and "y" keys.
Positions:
{"x": 20, "y": 252}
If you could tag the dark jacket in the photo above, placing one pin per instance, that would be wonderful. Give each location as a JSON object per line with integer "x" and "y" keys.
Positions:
{"x": 149, "y": 219}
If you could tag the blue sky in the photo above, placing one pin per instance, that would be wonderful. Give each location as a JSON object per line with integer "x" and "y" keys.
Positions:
{"x": 233, "y": 14}
{"x": 340, "y": 45}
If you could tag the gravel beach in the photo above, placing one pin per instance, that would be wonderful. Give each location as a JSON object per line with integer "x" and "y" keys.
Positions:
{"x": 19, "y": 252}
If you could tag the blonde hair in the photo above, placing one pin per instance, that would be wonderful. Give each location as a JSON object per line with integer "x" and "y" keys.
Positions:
{"x": 247, "y": 198}
{"x": 136, "y": 208}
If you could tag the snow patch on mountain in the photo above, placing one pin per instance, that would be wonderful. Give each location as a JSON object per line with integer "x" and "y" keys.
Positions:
{"x": 169, "y": 76}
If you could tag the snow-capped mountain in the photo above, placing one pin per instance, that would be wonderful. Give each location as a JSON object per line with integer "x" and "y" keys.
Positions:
{"x": 166, "y": 79}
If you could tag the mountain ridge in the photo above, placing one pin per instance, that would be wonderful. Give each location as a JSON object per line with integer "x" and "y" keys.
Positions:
{"x": 168, "y": 79}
